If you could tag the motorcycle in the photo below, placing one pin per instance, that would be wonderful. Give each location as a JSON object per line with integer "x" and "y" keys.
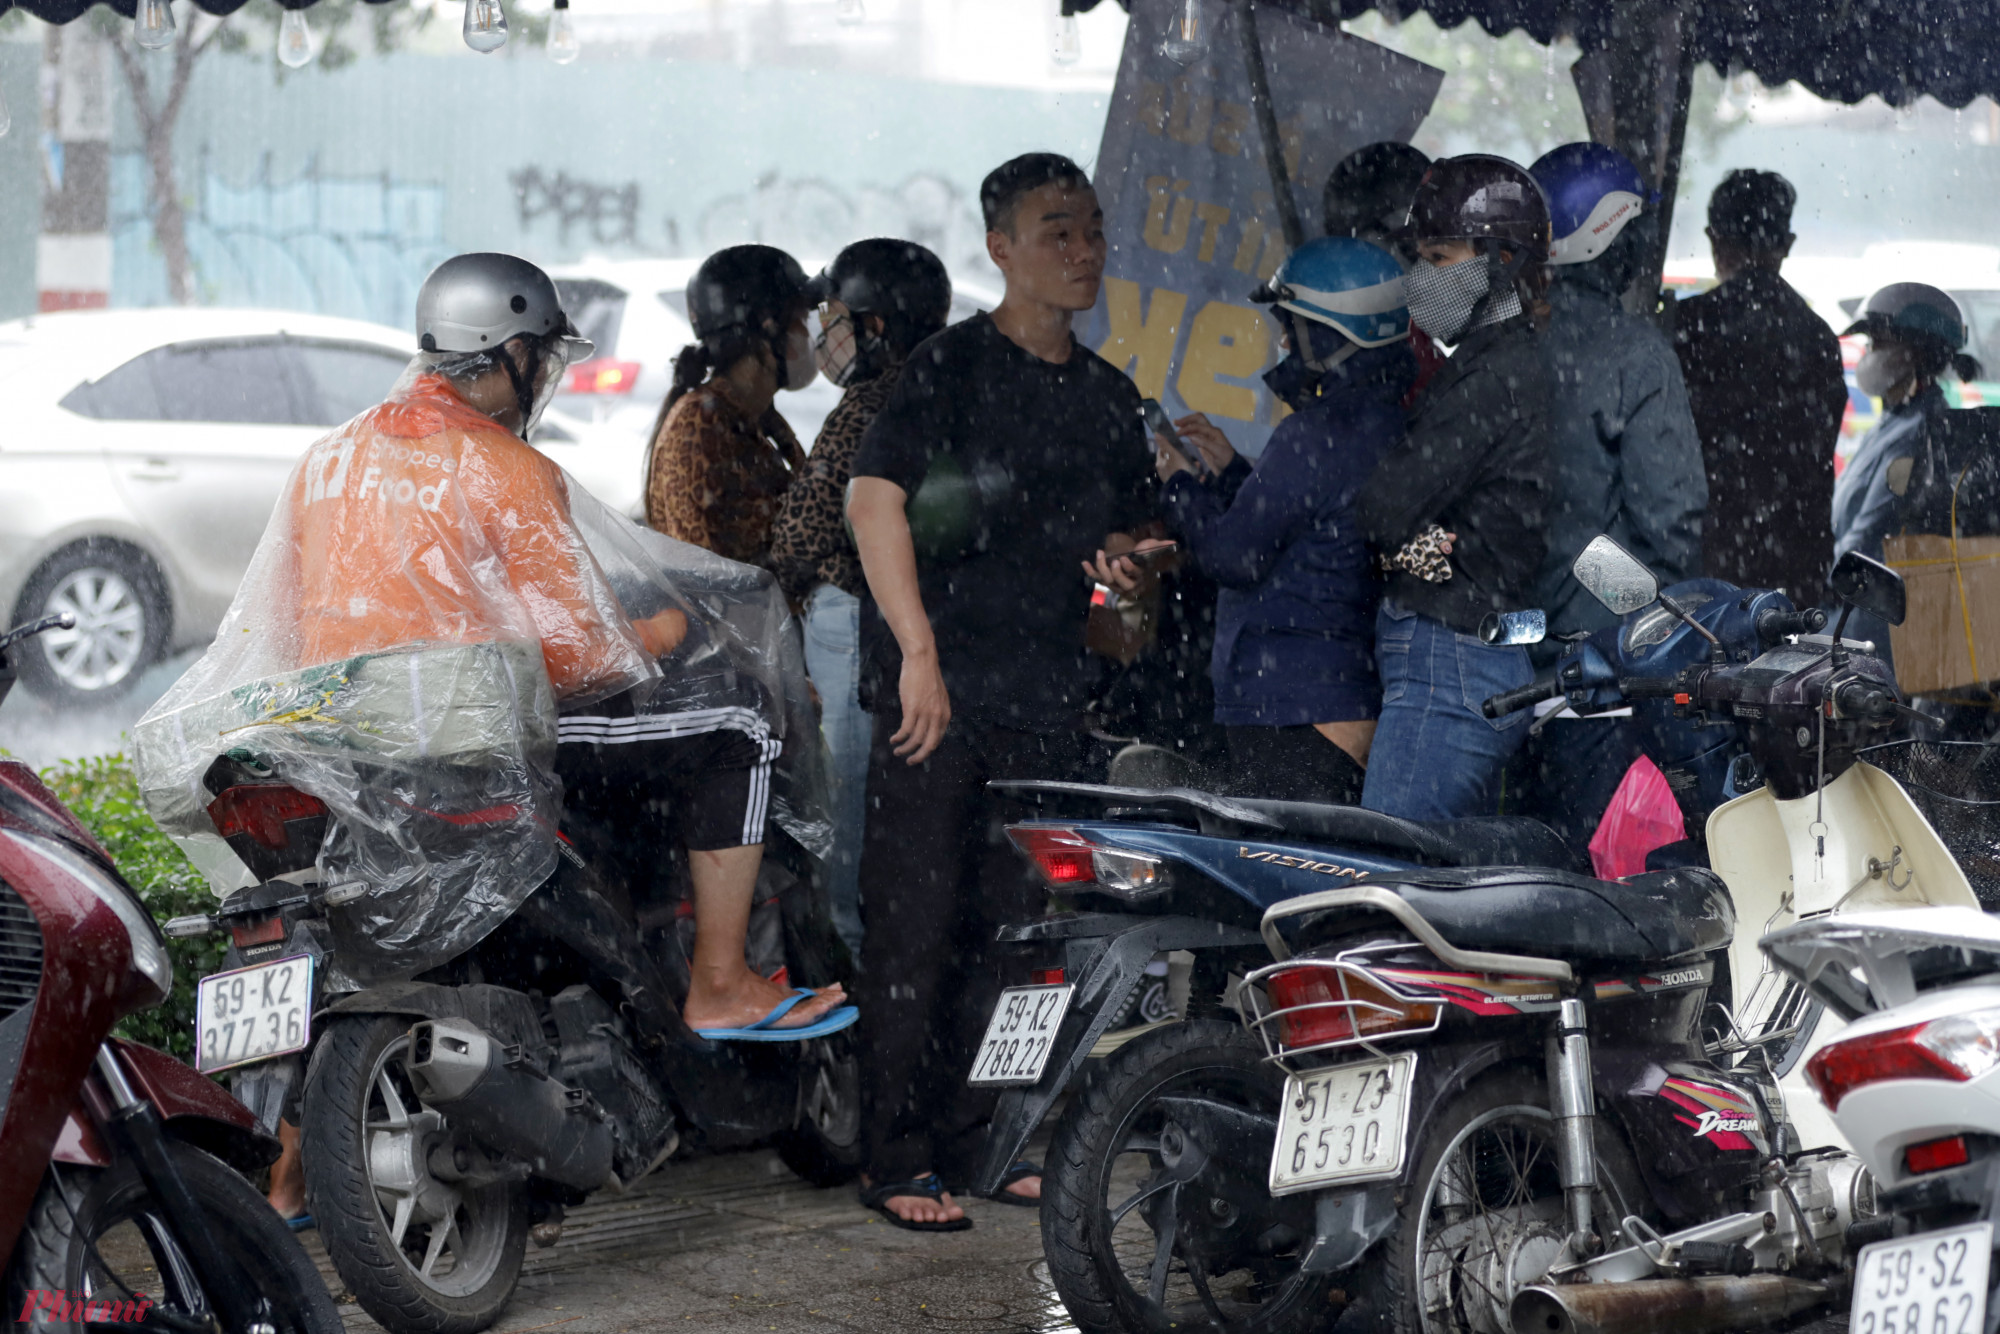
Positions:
{"x": 122, "y": 1198}
{"x": 1911, "y": 1080}
{"x": 1231, "y": 1172}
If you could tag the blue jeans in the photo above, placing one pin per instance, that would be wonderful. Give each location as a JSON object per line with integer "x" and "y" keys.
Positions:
{"x": 1435, "y": 756}
{"x": 833, "y": 661}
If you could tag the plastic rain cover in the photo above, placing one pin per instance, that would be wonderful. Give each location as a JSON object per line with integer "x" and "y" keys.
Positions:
{"x": 422, "y": 602}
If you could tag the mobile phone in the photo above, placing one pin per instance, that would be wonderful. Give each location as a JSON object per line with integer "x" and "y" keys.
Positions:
{"x": 1144, "y": 559}
{"x": 1157, "y": 422}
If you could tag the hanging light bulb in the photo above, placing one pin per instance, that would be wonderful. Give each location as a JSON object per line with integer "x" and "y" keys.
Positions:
{"x": 296, "y": 47}
{"x": 153, "y": 24}
{"x": 485, "y": 25}
{"x": 1068, "y": 47}
{"x": 850, "y": 12}
{"x": 1187, "y": 35}
{"x": 563, "y": 46}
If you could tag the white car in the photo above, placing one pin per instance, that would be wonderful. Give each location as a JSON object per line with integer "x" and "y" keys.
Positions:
{"x": 143, "y": 453}
{"x": 636, "y": 312}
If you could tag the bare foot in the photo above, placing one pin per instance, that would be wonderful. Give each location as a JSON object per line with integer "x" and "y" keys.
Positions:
{"x": 924, "y": 1208}
{"x": 288, "y": 1178}
{"x": 1027, "y": 1188}
{"x": 746, "y": 998}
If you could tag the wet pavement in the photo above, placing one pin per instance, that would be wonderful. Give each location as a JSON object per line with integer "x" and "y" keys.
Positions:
{"x": 737, "y": 1243}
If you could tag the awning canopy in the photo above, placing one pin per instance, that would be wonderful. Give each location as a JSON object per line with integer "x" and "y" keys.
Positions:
{"x": 65, "y": 11}
{"x": 1843, "y": 50}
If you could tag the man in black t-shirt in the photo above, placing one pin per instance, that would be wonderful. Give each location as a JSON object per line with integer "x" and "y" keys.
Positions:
{"x": 1025, "y": 455}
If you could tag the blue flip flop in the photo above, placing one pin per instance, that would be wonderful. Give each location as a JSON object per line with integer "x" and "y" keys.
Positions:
{"x": 764, "y": 1031}
{"x": 303, "y": 1223}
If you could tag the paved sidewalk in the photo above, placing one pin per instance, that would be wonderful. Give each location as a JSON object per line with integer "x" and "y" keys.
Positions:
{"x": 737, "y": 1243}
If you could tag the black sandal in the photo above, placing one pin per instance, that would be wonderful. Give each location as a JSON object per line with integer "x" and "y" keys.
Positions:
{"x": 930, "y": 1186}
{"x": 1020, "y": 1171}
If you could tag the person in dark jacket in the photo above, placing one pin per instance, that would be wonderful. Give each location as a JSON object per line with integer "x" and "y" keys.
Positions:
{"x": 1914, "y": 334}
{"x": 1764, "y": 379}
{"x": 1367, "y": 197}
{"x": 1627, "y": 461}
{"x": 1455, "y": 511}
{"x": 1294, "y": 662}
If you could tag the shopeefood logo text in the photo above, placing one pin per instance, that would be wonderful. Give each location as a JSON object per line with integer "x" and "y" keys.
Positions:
{"x": 44, "y": 1307}
{"x": 1302, "y": 863}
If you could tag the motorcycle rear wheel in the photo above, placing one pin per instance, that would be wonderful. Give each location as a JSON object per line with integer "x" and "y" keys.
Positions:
{"x": 1116, "y": 1273}
{"x": 1484, "y": 1202}
{"x": 99, "y": 1235}
{"x": 422, "y": 1256}
{"x": 824, "y": 1148}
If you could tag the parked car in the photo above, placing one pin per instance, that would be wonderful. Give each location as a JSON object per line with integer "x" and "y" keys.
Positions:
{"x": 144, "y": 452}
{"x": 636, "y": 312}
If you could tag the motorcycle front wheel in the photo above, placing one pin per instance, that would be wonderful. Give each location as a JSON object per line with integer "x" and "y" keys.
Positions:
{"x": 1135, "y": 1240}
{"x": 98, "y": 1236}
{"x": 824, "y": 1148}
{"x": 1484, "y": 1215}
{"x": 422, "y": 1255}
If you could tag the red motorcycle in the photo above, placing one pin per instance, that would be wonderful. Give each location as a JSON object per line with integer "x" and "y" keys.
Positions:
{"x": 121, "y": 1195}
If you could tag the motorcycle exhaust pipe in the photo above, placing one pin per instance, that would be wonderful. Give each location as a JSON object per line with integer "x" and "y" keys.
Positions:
{"x": 506, "y": 1103}
{"x": 1716, "y": 1305}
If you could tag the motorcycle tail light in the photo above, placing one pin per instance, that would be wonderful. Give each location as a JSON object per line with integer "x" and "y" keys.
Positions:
{"x": 246, "y": 934}
{"x": 1958, "y": 1047}
{"x": 1069, "y": 860}
{"x": 261, "y": 811}
{"x": 1936, "y": 1155}
{"x": 603, "y": 375}
{"x": 1315, "y": 1006}
{"x": 1048, "y": 977}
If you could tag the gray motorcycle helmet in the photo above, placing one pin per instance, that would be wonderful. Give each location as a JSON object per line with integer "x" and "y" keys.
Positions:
{"x": 1912, "y": 308}
{"x": 474, "y": 303}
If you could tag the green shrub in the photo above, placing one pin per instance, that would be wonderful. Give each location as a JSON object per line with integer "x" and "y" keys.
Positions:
{"x": 104, "y": 793}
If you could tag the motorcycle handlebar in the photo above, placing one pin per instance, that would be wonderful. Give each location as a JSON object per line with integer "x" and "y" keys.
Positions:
{"x": 1512, "y": 701}
{"x": 1773, "y": 625}
{"x": 1648, "y": 687}
{"x": 1859, "y": 699}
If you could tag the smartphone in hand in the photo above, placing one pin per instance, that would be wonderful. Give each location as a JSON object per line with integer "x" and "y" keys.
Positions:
{"x": 1150, "y": 556}
{"x": 1158, "y": 423}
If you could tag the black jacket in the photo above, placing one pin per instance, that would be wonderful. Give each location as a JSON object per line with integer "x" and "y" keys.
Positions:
{"x": 1764, "y": 380}
{"x": 1475, "y": 461}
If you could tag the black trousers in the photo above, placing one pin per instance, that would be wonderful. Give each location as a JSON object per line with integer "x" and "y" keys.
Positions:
{"x": 938, "y": 879}
{"x": 1292, "y": 764}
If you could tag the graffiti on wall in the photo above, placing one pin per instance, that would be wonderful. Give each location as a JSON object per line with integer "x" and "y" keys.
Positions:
{"x": 608, "y": 213}
{"x": 355, "y": 246}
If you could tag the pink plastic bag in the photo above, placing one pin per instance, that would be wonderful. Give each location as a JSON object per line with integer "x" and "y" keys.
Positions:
{"x": 1643, "y": 815}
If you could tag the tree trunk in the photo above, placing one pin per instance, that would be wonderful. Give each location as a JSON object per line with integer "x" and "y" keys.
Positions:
{"x": 156, "y": 127}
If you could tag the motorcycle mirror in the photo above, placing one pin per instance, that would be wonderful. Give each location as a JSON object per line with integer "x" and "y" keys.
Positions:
{"x": 1615, "y": 577}
{"x": 1870, "y": 585}
{"x": 1515, "y": 627}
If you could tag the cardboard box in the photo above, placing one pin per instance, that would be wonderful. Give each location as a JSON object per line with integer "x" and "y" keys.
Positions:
{"x": 1933, "y": 651}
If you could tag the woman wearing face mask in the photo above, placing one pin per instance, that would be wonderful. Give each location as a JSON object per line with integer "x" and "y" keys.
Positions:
{"x": 878, "y": 300}
{"x": 1455, "y": 510}
{"x": 722, "y": 457}
{"x": 1294, "y": 662}
{"x": 1914, "y": 333}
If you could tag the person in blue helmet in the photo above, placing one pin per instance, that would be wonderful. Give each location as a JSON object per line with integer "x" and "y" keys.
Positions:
{"x": 1296, "y": 689}
{"x": 1627, "y": 459}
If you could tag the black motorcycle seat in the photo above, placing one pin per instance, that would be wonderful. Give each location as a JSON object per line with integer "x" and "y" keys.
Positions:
{"x": 1647, "y": 918}
{"x": 1497, "y": 840}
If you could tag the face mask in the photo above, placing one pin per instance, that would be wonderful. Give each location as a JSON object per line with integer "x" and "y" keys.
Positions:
{"x": 800, "y": 368}
{"x": 835, "y": 350}
{"x": 1880, "y": 370}
{"x": 1296, "y": 379}
{"x": 1443, "y": 300}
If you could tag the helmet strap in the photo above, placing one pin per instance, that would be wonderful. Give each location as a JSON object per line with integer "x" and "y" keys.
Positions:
{"x": 1501, "y": 274}
{"x": 524, "y": 385}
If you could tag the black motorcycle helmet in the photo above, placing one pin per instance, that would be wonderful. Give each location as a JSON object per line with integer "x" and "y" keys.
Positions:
{"x": 1482, "y": 198}
{"x": 903, "y": 283}
{"x": 736, "y": 290}
{"x": 1368, "y": 192}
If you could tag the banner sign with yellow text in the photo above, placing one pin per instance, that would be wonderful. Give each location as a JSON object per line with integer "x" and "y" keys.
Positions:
{"x": 1188, "y": 205}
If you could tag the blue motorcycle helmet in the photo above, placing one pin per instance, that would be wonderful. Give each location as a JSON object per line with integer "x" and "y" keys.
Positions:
{"x": 1594, "y": 194}
{"x": 1334, "y": 296}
